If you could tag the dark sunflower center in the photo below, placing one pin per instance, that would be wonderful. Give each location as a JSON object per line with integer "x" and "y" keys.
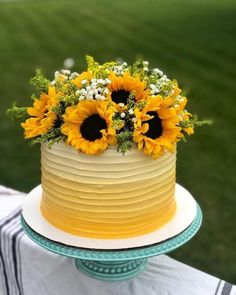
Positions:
{"x": 120, "y": 96}
{"x": 90, "y": 128}
{"x": 155, "y": 128}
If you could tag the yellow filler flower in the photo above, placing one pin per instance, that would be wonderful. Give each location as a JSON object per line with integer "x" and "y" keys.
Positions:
{"x": 180, "y": 104}
{"x": 83, "y": 76}
{"x": 155, "y": 128}
{"x": 89, "y": 126}
{"x": 42, "y": 116}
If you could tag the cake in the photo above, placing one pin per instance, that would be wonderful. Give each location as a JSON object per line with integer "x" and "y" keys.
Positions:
{"x": 108, "y": 148}
{"x": 107, "y": 196}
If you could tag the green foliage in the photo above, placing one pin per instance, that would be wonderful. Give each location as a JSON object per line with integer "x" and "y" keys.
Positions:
{"x": 53, "y": 136}
{"x": 194, "y": 122}
{"x": 138, "y": 69}
{"x": 124, "y": 141}
{"x": 117, "y": 123}
{"x": 69, "y": 98}
{"x": 140, "y": 104}
{"x": 198, "y": 123}
{"x": 39, "y": 82}
{"x": 18, "y": 113}
{"x": 131, "y": 100}
{"x": 91, "y": 64}
{"x": 99, "y": 71}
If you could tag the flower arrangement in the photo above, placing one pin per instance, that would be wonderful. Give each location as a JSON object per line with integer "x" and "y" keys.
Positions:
{"x": 109, "y": 104}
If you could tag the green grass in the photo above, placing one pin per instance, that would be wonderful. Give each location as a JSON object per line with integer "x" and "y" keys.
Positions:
{"x": 193, "y": 41}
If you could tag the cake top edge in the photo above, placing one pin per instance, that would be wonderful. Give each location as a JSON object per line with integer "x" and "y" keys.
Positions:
{"x": 61, "y": 148}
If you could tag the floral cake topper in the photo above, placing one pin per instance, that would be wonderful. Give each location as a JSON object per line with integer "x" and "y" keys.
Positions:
{"x": 109, "y": 104}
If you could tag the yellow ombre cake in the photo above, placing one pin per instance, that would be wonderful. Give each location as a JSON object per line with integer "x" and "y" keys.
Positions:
{"x": 109, "y": 196}
{"x": 108, "y": 140}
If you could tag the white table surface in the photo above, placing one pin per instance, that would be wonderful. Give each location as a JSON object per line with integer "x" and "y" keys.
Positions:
{"x": 27, "y": 269}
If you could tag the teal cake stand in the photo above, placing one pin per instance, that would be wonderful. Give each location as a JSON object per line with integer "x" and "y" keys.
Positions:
{"x": 115, "y": 265}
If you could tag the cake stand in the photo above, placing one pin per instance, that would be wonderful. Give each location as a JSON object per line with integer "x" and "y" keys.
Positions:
{"x": 113, "y": 260}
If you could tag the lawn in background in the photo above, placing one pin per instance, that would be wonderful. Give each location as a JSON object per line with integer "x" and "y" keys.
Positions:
{"x": 193, "y": 41}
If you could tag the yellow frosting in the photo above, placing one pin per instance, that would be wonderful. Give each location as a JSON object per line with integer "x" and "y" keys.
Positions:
{"x": 109, "y": 196}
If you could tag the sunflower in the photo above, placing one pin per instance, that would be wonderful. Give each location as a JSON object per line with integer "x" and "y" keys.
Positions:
{"x": 122, "y": 86}
{"x": 156, "y": 126}
{"x": 89, "y": 126}
{"x": 43, "y": 117}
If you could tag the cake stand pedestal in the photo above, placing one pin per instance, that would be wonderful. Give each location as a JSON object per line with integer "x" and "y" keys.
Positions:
{"x": 118, "y": 264}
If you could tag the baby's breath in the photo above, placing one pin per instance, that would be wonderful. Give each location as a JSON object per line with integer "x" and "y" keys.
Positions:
{"x": 94, "y": 89}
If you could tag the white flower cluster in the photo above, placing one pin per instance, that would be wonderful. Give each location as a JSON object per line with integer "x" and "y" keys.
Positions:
{"x": 95, "y": 89}
{"x": 119, "y": 70}
{"x": 63, "y": 75}
{"x": 129, "y": 113}
{"x": 157, "y": 72}
{"x": 178, "y": 100}
{"x": 161, "y": 83}
{"x": 145, "y": 65}
{"x": 154, "y": 89}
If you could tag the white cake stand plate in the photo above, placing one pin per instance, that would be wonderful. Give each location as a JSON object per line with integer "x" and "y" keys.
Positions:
{"x": 116, "y": 259}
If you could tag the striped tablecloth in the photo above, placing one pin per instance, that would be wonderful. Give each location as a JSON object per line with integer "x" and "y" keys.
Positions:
{"x": 27, "y": 269}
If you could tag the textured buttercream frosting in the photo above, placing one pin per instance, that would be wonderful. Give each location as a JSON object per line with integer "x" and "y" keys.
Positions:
{"x": 109, "y": 196}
